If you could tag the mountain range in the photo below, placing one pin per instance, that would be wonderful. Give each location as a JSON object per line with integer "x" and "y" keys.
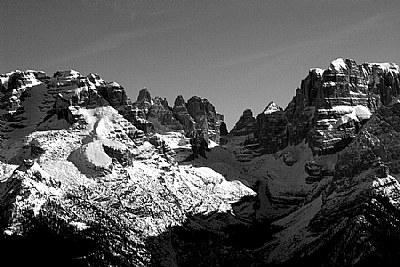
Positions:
{"x": 89, "y": 177}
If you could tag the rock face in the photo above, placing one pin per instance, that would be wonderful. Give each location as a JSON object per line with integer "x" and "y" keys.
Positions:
{"x": 357, "y": 216}
{"x": 74, "y": 91}
{"x": 331, "y": 106}
{"x": 13, "y": 87}
{"x": 155, "y": 115}
{"x": 223, "y": 129}
{"x": 245, "y": 125}
{"x": 182, "y": 115}
{"x": 207, "y": 120}
{"x": 114, "y": 93}
{"x": 271, "y": 128}
{"x": 162, "y": 113}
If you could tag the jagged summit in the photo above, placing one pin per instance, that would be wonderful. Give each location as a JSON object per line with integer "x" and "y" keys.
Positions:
{"x": 271, "y": 108}
{"x": 245, "y": 125}
{"x": 321, "y": 112}
{"x": 317, "y": 71}
{"x": 96, "y": 79}
{"x": 144, "y": 95}
{"x": 340, "y": 65}
{"x": 72, "y": 90}
{"x": 67, "y": 74}
{"x": 387, "y": 67}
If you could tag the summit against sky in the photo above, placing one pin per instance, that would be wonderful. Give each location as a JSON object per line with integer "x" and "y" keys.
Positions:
{"x": 238, "y": 54}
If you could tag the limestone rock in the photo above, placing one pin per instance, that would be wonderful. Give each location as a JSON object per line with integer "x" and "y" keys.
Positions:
{"x": 114, "y": 93}
{"x": 204, "y": 114}
{"x": 118, "y": 151}
{"x": 271, "y": 128}
{"x": 66, "y": 74}
{"x": 181, "y": 113}
{"x": 160, "y": 112}
{"x": 361, "y": 202}
{"x": 91, "y": 158}
{"x": 14, "y": 88}
{"x": 246, "y": 124}
{"x": 329, "y": 108}
{"x": 223, "y": 130}
{"x": 95, "y": 79}
{"x": 155, "y": 115}
{"x": 272, "y": 107}
{"x": 61, "y": 108}
{"x": 144, "y": 100}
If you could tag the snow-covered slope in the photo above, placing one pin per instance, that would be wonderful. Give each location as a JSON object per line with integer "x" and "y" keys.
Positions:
{"x": 99, "y": 173}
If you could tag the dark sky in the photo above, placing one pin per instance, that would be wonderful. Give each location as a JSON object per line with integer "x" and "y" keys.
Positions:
{"x": 238, "y": 54}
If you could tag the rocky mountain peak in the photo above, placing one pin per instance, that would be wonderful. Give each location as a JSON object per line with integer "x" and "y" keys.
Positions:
{"x": 341, "y": 65}
{"x": 271, "y": 108}
{"x": 317, "y": 71}
{"x": 245, "y": 125}
{"x": 179, "y": 101}
{"x": 144, "y": 96}
{"x": 95, "y": 79}
{"x": 321, "y": 112}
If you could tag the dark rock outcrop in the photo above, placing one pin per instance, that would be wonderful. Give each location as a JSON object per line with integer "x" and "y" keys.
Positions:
{"x": 144, "y": 98}
{"x": 223, "y": 130}
{"x": 246, "y": 124}
{"x": 117, "y": 151}
{"x": 114, "y": 93}
{"x": 61, "y": 108}
{"x": 162, "y": 113}
{"x": 204, "y": 114}
{"x": 155, "y": 115}
{"x": 271, "y": 128}
{"x": 182, "y": 115}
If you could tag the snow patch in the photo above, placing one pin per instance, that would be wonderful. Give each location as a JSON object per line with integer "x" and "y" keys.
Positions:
{"x": 271, "y": 108}
{"x": 338, "y": 65}
{"x": 67, "y": 74}
{"x": 90, "y": 157}
{"x": 318, "y": 71}
{"x": 388, "y": 67}
{"x": 79, "y": 225}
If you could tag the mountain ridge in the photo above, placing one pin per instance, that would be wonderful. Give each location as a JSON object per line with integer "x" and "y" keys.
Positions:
{"x": 101, "y": 180}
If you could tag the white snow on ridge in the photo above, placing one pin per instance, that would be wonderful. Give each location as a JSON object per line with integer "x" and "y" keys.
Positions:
{"x": 271, "y": 108}
{"x": 67, "y": 74}
{"x": 114, "y": 84}
{"x": 338, "y": 65}
{"x": 318, "y": 71}
{"x": 362, "y": 112}
{"x": 388, "y": 67}
{"x": 338, "y": 109}
{"x": 28, "y": 78}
